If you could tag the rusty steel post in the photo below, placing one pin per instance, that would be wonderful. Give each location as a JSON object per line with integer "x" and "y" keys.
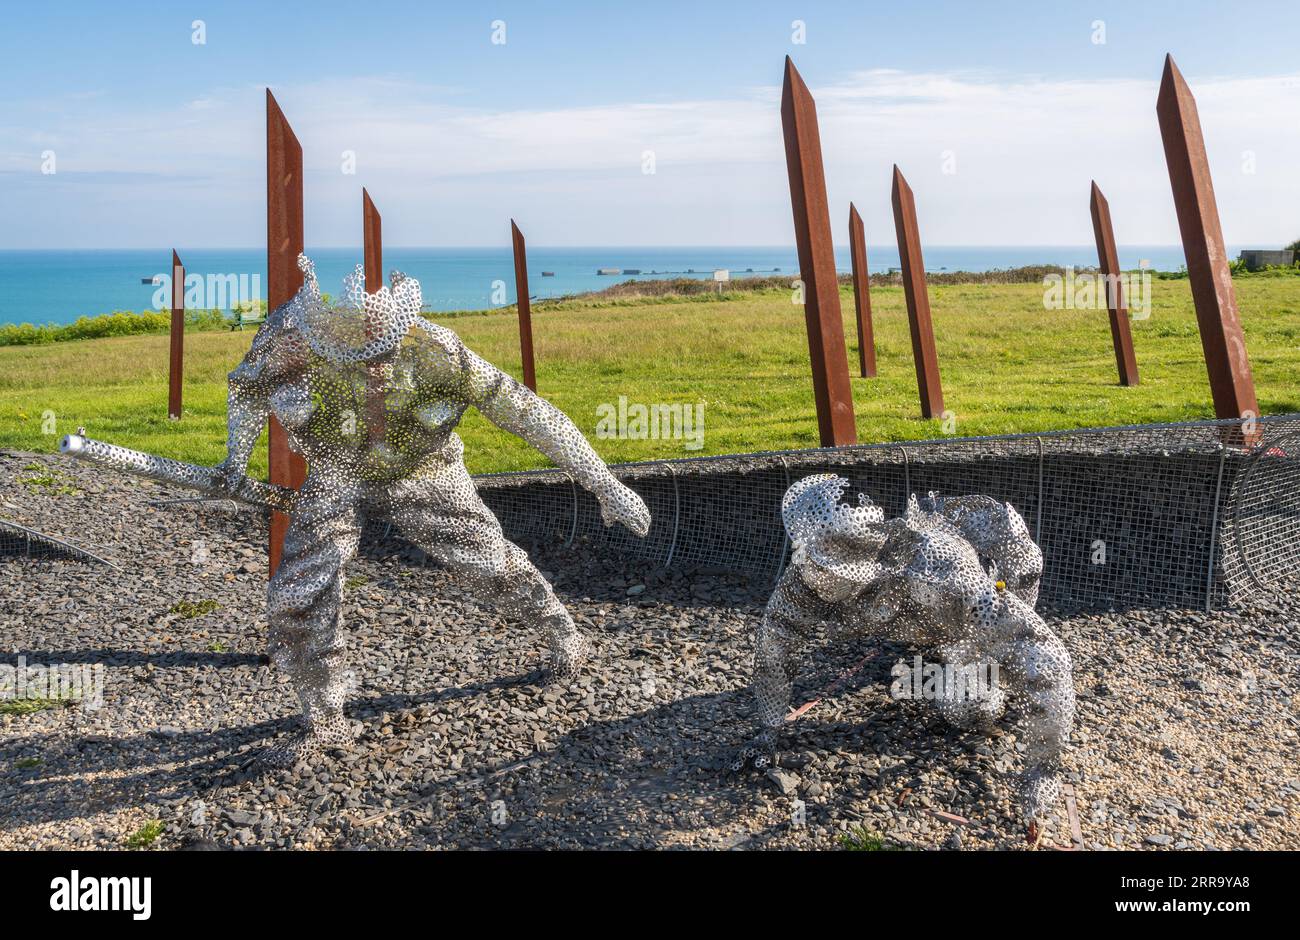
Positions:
{"x": 373, "y": 258}
{"x": 1108, "y": 262}
{"x": 372, "y": 239}
{"x": 284, "y": 242}
{"x": 812, "y": 231}
{"x": 176, "y": 365}
{"x": 525, "y": 308}
{"x": 862, "y": 294}
{"x": 1222, "y": 341}
{"x": 918, "y": 300}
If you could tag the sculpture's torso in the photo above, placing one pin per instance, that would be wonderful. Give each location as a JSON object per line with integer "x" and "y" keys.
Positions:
{"x": 382, "y": 419}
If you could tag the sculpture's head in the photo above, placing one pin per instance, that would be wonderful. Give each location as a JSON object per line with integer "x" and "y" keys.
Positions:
{"x": 835, "y": 546}
{"x": 362, "y": 327}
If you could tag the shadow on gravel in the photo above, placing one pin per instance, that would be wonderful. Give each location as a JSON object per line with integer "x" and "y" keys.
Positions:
{"x": 657, "y": 778}
{"x": 201, "y": 762}
{"x": 118, "y": 657}
{"x": 662, "y": 778}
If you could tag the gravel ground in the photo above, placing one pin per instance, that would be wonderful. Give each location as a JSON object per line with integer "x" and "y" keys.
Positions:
{"x": 1187, "y": 731}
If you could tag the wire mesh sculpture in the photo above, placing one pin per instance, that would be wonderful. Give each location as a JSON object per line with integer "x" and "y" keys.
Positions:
{"x": 309, "y": 365}
{"x": 958, "y": 575}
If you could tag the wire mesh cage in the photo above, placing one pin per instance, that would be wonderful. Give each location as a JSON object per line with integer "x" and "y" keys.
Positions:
{"x": 1192, "y": 514}
{"x": 19, "y": 541}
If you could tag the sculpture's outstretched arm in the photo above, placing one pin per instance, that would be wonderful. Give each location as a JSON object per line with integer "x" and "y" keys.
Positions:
{"x": 514, "y": 407}
{"x": 793, "y": 610}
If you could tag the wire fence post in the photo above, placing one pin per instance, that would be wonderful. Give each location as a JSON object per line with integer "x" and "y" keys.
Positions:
{"x": 677, "y": 514}
{"x": 573, "y": 530}
{"x": 1038, "y": 520}
{"x": 1214, "y": 533}
{"x": 785, "y": 536}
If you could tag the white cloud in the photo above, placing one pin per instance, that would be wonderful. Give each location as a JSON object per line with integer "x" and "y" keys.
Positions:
{"x": 444, "y": 173}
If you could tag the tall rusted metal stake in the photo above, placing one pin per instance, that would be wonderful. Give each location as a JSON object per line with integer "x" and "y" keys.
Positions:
{"x": 284, "y": 242}
{"x": 812, "y": 232}
{"x": 862, "y": 294}
{"x": 918, "y": 299}
{"x": 1108, "y": 261}
{"x": 372, "y": 236}
{"x": 525, "y": 308}
{"x": 176, "y": 365}
{"x": 1224, "y": 345}
{"x": 373, "y": 257}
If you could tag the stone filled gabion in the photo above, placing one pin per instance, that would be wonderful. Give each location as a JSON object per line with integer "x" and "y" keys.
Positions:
{"x": 957, "y": 575}
{"x": 319, "y": 369}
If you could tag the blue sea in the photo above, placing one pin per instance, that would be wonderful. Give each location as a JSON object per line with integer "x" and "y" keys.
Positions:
{"x": 58, "y": 286}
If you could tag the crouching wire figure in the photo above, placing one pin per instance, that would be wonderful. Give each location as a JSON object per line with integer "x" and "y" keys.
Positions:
{"x": 370, "y": 393}
{"x": 958, "y": 575}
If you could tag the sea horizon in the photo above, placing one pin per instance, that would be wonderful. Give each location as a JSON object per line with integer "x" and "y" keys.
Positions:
{"x": 59, "y": 285}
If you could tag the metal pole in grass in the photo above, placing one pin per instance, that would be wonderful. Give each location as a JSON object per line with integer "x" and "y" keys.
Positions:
{"x": 525, "y": 307}
{"x": 1108, "y": 261}
{"x": 176, "y": 364}
{"x": 1231, "y": 383}
{"x": 862, "y": 294}
{"x": 373, "y": 250}
{"x": 284, "y": 242}
{"x": 918, "y": 299}
{"x": 821, "y": 290}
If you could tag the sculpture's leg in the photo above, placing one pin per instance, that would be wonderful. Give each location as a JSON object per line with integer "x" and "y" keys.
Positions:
{"x": 1036, "y": 667}
{"x": 303, "y": 600}
{"x": 441, "y": 512}
{"x": 791, "y": 611}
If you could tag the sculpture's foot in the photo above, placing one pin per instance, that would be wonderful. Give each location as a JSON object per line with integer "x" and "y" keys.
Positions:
{"x": 306, "y": 746}
{"x": 567, "y": 658}
{"x": 1042, "y": 791}
{"x": 759, "y": 753}
{"x": 1034, "y": 835}
{"x": 562, "y": 668}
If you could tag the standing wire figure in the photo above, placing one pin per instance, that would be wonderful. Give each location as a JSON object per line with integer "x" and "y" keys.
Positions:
{"x": 310, "y": 365}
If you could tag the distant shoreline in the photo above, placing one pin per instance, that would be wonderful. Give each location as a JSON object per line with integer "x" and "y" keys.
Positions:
{"x": 128, "y": 323}
{"x": 56, "y": 287}
{"x": 667, "y": 290}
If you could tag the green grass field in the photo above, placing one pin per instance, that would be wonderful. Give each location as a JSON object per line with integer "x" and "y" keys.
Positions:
{"x": 1008, "y": 365}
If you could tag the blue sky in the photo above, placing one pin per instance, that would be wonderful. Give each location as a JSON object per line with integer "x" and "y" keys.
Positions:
{"x": 999, "y": 113}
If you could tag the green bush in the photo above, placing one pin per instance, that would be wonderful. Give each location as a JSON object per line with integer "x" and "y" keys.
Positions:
{"x": 117, "y": 323}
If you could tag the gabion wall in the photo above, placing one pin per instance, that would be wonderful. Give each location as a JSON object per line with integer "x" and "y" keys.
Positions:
{"x": 1170, "y": 515}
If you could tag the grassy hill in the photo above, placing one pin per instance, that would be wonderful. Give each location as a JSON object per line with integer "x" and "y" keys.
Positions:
{"x": 1007, "y": 365}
